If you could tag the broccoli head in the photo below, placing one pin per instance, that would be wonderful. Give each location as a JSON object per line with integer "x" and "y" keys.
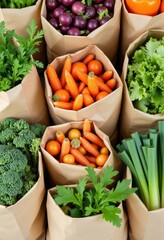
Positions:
{"x": 16, "y": 176}
{"x": 21, "y": 124}
{"x": 8, "y": 123}
{"x": 38, "y": 129}
{"x": 7, "y": 136}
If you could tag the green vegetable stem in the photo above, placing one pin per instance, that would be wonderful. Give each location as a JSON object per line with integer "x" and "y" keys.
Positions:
{"x": 144, "y": 155}
{"x": 83, "y": 202}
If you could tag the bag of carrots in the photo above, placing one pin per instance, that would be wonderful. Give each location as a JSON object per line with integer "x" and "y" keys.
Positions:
{"x": 68, "y": 148}
{"x": 84, "y": 84}
{"x": 105, "y": 36}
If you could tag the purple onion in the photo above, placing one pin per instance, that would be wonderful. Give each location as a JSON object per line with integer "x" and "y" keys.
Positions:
{"x": 78, "y": 8}
{"x": 64, "y": 29}
{"x": 90, "y": 11}
{"x": 65, "y": 19}
{"x": 97, "y": 1}
{"x": 68, "y": 2}
{"x": 58, "y": 11}
{"x": 92, "y": 24}
{"x": 109, "y": 4}
{"x": 51, "y": 4}
{"x": 54, "y": 23}
{"x": 104, "y": 20}
{"x": 79, "y": 22}
{"x": 73, "y": 31}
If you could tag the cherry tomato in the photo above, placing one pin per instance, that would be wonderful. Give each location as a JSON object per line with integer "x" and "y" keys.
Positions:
{"x": 143, "y": 7}
{"x": 53, "y": 147}
{"x": 95, "y": 66}
{"x": 78, "y": 66}
{"x": 74, "y": 133}
{"x": 104, "y": 150}
{"x": 69, "y": 159}
{"x": 101, "y": 159}
{"x": 61, "y": 95}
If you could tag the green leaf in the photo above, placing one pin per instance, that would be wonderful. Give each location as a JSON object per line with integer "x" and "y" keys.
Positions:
{"x": 111, "y": 214}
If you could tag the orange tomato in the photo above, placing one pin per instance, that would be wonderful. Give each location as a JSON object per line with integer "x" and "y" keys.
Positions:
{"x": 61, "y": 95}
{"x": 101, "y": 159}
{"x": 74, "y": 133}
{"x": 143, "y": 7}
{"x": 162, "y": 6}
{"x": 69, "y": 159}
{"x": 53, "y": 147}
{"x": 104, "y": 150}
{"x": 95, "y": 66}
{"x": 78, "y": 66}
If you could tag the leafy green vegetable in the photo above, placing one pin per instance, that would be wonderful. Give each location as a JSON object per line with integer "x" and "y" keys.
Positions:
{"x": 144, "y": 155}
{"x": 16, "y": 61}
{"x": 145, "y": 77}
{"x": 82, "y": 201}
{"x": 17, "y": 3}
{"x": 19, "y": 146}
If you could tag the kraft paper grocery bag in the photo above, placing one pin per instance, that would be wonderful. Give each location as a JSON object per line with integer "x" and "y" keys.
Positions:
{"x": 105, "y": 37}
{"x": 26, "y": 100}
{"x": 104, "y": 113}
{"x": 133, "y": 25}
{"x": 60, "y": 173}
{"x": 19, "y": 19}
{"x": 143, "y": 224}
{"x": 25, "y": 220}
{"x": 63, "y": 227}
{"x": 132, "y": 119}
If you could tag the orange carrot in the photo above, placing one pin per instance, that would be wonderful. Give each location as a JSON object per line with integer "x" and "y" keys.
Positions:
{"x": 88, "y": 58}
{"x": 88, "y": 99}
{"x": 93, "y": 85}
{"x": 53, "y": 78}
{"x": 86, "y": 91}
{"x": 82, "y": 76}
{"x": 102, "y": 86}
{"x": 80, "y": 158}
{"x": 60, "y": 136}
{"x": 78, "y": 102}
{"x": 64, "y": 105}
{"x": 89, "y": 147}
{"x": 101, "y": 95}
{"x": 111, "y": 83}
{"x": 94, "y": 139}
{"x": 107, "y": 75}
{"x": 87, "y": 126}
{"x": 73, "y": 89}
{"x": 65, "y": 148}
{"x": 91, "y": 159}
{"x": 81, "y": 87}
{"x": 67, "y": 66}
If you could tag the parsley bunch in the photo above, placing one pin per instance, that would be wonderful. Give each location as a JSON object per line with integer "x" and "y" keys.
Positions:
{"x": 16, "y": 61}
{"x": 82, "y": 201}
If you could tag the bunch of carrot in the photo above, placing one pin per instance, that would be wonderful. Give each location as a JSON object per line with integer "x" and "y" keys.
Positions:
{"x": 80, "y": 83}
{"x": 79, "y": 147}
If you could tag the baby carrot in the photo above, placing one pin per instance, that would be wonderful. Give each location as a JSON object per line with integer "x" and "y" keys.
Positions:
{"x": 67, "y": 66}
{"x": 88, "y": 58}
{"x": 87, "y": 127}
{"x": 73, "y": 89}
{"x": 60, "y": 136}
{"x": 91, "y": 159}
{"x": 53, "y": 78}
{"x": 111, "y": 83}
{"x": 93, "y": 84}
{"x": 94, "y": 139}
{"x": 78, "y": 102}
{"x": 102, "y": 86}
{"x": 65, "y": 148}
{"x": 80, "y": 158}
{"x": 86, "y": 91}
{"x": 89, "y": 147}
{"x": 107, "y": 75}
{"x": 82, "y": 76}
{"x": 81, "y": 87}
{"x": 88, "y": 99}
{"x": 64, "y": 105}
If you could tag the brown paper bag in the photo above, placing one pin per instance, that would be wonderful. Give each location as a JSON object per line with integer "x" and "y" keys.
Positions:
{"x": 19, "y": 19}
{"x": 131, "y": 119}
{"x": 63, "y": 227}
{"x": 104, "y": 113}
{"x": 105, "y": 37}
{"x": 60, "y": 173}
{"x": 143, "y": 224}
{"x": 26, "y": 100}
{"x": 133, "y": 25}
{"x": 25, "y": 220}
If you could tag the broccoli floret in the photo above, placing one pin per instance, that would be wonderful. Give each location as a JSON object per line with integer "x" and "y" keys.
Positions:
{"x": 8, "y": 123}
{"x": 14, "y": 174}
{"x": 7, "y": 136}
{"x": 38, "y": 129}
{"x": 21, "y": 124}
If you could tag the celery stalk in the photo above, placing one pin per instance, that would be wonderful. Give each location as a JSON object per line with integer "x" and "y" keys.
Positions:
{"x": 161, "y": 144}
{"x": 153, "y": 181}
